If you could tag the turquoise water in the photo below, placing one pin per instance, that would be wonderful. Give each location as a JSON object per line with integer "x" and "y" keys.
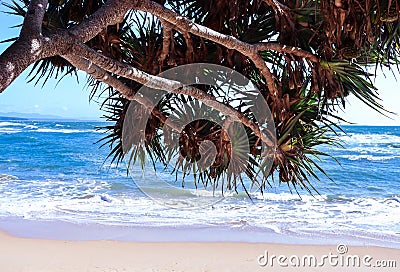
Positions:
{"x": 51, "y": 171}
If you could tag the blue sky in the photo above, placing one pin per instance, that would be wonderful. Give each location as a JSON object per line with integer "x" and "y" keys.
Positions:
{"x": 67, "y": 99}
{"x": 70, "y": 99}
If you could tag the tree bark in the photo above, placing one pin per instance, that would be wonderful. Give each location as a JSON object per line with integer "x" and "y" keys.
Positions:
{"x": 31, "y": 46}
{"x": 160, "y": 83}
{"x": 14, "y": 60}
{"x": 186, "y": 25}
{"x": 112, "y": 12}
{"x": 101, "y": 75}
{"x": 27, "y": 49}
{"x": 32, "y": 25}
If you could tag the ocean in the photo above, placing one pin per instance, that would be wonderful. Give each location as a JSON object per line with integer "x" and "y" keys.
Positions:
{"x": 56, "y": 183}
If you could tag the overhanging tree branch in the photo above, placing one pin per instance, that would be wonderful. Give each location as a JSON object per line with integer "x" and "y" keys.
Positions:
{"x": 250, "y": 50}
{"x": 295, "y": 51}
{"x": 172, "y": 86}
{"x": 112, "y": 12}
{"x": 301, "y": 85}
{"x": 27, "y": 49}
{"x": 101, "y": 75}
{"x": 230, "y": 42}
{"x": 32, "y": 25}
{"x": 167, "y": 36}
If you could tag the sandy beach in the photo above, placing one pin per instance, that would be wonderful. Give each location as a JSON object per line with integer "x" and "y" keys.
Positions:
{"x": 41, "y": 255}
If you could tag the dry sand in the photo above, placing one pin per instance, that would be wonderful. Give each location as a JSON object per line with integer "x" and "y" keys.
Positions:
{"x": 39, "y": 255}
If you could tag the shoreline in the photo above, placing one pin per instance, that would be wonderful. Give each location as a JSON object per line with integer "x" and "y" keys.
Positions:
{"x": 32, "y": 255}
{"x": 92, "y": 231}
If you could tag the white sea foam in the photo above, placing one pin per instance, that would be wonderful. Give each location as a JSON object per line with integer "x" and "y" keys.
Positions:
{"x": 9, "y": 130}
{"x": 204, "y": 193}
{"x": 288, "y": 197}
{"x": 65, "y": 197}
{"x": 30, "y": 127}
{"x": 355, "y": 138}
{"x": 11, "y": 124}
{"x": 368, "y": 157}
{"x": 12, "y": 127}
{"x": 109, "y": 165}
{"x": 365, "y": 149}
{"x": 280, "y": 213}
{"x": 373, "y": 147}
{"x": 50, "y": 130}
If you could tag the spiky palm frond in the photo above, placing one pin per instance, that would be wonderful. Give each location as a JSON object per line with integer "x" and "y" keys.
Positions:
{"x": 309, "y": 93}
{"x": 346, "y": 36}
{"x": 298, "y": 155}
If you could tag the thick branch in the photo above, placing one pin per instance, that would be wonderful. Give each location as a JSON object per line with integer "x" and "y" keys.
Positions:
{"x": 167, "y": 37}
{"x": 296, "y": 51}
{"x": 112, "y": 12}
{"x": 32, "y": 46}
{"x": 189, "y": 49}
{"x": 249, "y": 50}
{"x": 101, "y": 75}
{"x": 16, "y": 58}
{"x": 32, "y": 25}
{"x": 176, "y": 87}
{"x": 186, "y": 25}
{"x": 28, "y": 50}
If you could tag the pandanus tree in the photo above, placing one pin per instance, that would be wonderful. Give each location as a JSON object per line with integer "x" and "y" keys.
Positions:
{"x": 304, "y": 56}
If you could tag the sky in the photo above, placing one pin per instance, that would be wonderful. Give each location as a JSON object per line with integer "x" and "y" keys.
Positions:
{"x": 70, "y": 99}
{"x": 67, "y": 99}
